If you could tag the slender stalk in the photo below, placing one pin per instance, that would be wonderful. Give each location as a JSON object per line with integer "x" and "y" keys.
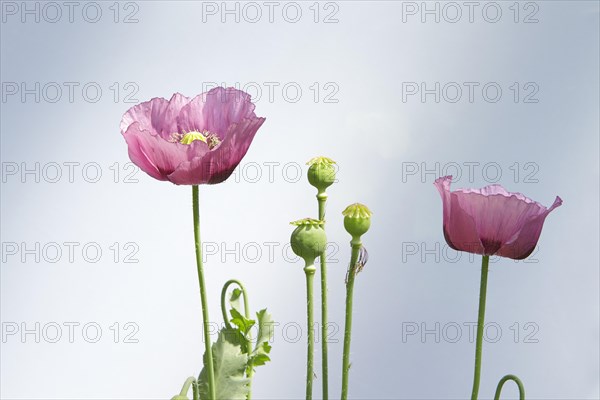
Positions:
{"x": 223, "y": 296}
{"x": 195, "y": 392}
{"x": 186, "y": 386}
{"x": 310, "y": 274}
{"x": 510, "y": 378}
{"x": 246, "y": 314}
{"x": 480, "y": 324}
{"x": 205, "y": 321}
{"x": 356, "y": 245}
{"x": 322, "y": 199}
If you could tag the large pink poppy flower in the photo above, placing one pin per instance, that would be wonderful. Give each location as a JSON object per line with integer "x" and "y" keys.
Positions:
{"x": 191, "y": 141}
{"x": 491, "y": 221}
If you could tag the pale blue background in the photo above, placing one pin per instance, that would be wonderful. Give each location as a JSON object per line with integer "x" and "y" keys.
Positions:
{"x": 370, "y": 131}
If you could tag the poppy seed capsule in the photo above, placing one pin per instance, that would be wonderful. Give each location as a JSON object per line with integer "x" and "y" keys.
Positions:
{"x": 321, "y": 172}
{"x": 308, "y": 239}
{"x": 357, "y": 219}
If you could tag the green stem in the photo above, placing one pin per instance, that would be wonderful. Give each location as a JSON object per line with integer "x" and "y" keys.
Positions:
{"x": 247, "y": 315}
{"x": 195, "y": 391}
{"x": 310, "y": 274}
{"x": 186, "y": 386}
{"x": 205, "y": 321}
{"x": 356, "y": 245}
{"x": 480, "y": 325}
{"x": 322, "y": 199}
{"x": 223, "y": 296}
{"x": 510, "y": 378}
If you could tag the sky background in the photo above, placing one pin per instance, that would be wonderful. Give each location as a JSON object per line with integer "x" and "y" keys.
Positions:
{"x": 99, "y": 293}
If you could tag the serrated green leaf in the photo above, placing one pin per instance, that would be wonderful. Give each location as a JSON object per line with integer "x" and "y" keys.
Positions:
{"x": 265, "y": 332}
{"x": 243, "y": 324}
{"x": 258, "y": 360}
{"x": 234, "y": 336}
{"x": 229, "y": 365}
{"x": 234, "y": 299}
{"x": 237, "y": 337}
{"x": 259, "y": 355}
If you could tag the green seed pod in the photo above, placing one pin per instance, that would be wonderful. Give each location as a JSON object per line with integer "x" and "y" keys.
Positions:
{"x": 321, "y": 172}
{"x": 308, "y": 239}
{"x": 357, "y": 219}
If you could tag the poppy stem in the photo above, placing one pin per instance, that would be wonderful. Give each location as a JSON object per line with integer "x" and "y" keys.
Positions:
{"x": 513, "y": 378}
{"x": 322, "y": 199}
{"x": 195, "y": 391}
{"x": 356, "y": 245}
{"x": 205, "y": 321}
{"x": 223, "y": 295}
{"x": 246, "y": 314}
{"x": 186, "y": 386}
{"x": 309, "y": 270}
{"x": 480, "y": 325}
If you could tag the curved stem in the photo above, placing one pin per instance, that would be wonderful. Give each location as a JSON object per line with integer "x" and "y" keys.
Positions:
{"x": 322, "y": 199}
{"x": 205, "y": 321}
{"x": 480, "y": 325}
{"x": 513, "y": 378}
{"x": 310, "y": 274}
{"x": 223, "y": 306}
{"x": 246, "y": 314}
{"x": 356, "y": 245}
{"x": 186, "y": 386}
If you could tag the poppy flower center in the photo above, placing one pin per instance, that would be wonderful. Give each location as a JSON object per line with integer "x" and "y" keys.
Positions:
{"x": 211, "y": 139}
{"x": 189, "y": 137}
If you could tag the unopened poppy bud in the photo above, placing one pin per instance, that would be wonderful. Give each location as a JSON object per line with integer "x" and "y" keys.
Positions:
{"x": 321, "y": 172}
{"x": 308, "y": 240}
{"x": 357, "y": 220}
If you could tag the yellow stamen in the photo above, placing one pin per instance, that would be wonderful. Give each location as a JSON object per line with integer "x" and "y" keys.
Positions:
{"x": 189, "y": 137}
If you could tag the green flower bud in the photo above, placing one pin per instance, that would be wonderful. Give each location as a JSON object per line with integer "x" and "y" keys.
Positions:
{"x": 357, "y": 220}
{"x": 179, "y": 397}
{"x": 308, "y": 239}
{"x": 321, "y": 172}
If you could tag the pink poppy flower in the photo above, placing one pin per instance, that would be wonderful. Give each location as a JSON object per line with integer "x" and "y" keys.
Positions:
{"x": 491, "y": 221}
{"x": 191, "y": 141}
